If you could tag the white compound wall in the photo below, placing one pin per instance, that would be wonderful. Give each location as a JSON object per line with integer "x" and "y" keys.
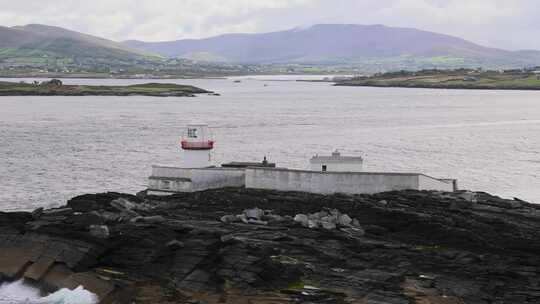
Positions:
{"x": 340, "y": 182}
{"x": 166, "y": 180}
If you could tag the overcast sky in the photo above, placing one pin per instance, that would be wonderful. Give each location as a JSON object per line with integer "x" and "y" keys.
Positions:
{"x": 510, "y": 24}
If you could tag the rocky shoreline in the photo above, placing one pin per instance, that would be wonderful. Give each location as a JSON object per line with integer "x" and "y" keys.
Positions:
{"x": 254, "y": 246}
{"x": 438, "y": 86}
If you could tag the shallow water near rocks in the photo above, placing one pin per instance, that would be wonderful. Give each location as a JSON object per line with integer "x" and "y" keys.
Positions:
{"x": 53, "y": 148}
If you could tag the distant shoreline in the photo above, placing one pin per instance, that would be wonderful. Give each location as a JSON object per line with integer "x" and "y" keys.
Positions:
{"x": 170, "y": 77}
{"x": 464, "y": 79}
{"x": 479, "y": 88}
{"x": 78, "y": 76}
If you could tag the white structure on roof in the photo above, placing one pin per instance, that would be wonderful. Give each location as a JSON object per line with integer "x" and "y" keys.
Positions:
{"x": 336, "y": 163}
{"x": 197, "y": 144}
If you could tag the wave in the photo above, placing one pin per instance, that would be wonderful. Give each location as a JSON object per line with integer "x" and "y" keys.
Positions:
{"x": 20, "y": 293}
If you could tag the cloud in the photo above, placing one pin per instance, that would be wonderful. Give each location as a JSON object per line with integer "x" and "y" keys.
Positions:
{"x": 496, "y": 23}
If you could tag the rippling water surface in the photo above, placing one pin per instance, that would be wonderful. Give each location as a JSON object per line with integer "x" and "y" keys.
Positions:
{"x": 53, "y": 148}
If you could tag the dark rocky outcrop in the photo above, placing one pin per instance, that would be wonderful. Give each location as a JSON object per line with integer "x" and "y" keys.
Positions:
{"x": 217, "y": 247}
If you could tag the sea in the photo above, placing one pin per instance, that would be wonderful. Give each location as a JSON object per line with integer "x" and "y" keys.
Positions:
{"x": 54, "y": 148}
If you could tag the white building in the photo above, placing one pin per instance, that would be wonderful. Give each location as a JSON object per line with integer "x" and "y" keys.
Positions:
{"x": 327, "y": 175}
{"x": 336, "y": 163}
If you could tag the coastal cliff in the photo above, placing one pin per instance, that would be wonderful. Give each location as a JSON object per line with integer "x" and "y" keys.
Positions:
{"x": 216, "y": 246}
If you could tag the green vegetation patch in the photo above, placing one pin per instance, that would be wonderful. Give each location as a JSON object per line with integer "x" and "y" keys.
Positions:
{"x": 452, "y": 79}
{"x": 56, "y": 88}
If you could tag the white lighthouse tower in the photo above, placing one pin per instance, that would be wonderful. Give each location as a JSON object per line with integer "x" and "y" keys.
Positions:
{"x": 197, "y": 144}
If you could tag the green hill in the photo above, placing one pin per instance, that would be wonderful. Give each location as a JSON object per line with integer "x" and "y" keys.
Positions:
{"x": 51, "y": 47}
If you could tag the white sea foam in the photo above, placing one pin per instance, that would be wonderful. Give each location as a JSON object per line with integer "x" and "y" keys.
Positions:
{"x": 20, "y": 293}
{"x": 65, "y": 296}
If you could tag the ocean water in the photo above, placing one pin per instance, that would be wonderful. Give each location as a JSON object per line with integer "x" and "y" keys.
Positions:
{"x": 53, "y": 148}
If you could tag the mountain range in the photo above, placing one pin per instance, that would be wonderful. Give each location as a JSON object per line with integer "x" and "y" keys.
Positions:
{"x": 375, "y": 46}
{"x": 338, "y": 43}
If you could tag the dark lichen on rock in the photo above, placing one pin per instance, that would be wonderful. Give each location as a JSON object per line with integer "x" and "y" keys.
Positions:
{"x": 217, "y": 247}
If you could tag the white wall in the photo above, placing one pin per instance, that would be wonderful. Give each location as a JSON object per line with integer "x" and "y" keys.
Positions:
{"x": 337, "y": 167}
{"x": 212, "y": 178}
{"x": 196, "y": 158}
{"x": 429, "y": 183}
{"x": 166, "y": 171}
{"x": 172, "y": 179}
{"x": 335, "y": 182}
{"x": 168, "y": 185}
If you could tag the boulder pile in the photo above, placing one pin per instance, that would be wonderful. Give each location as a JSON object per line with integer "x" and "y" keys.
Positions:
{"x": 254, "y": 216}
{"x": 327, "y": 218}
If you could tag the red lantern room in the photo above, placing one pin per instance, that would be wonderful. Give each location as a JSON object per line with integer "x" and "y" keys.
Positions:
{"x": 197, "y": 144}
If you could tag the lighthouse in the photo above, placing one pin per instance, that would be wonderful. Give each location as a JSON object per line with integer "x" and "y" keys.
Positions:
{"x": 197, "y": 144}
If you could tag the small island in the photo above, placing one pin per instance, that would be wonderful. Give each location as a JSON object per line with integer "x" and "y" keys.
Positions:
{"x": 527, "y": 79}
{"x": 55, "y": 87}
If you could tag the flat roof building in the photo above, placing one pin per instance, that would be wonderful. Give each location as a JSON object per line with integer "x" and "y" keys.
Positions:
{"x": 336, "y": 163}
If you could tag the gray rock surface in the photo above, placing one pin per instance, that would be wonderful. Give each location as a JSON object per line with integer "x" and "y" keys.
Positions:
{"x": 155, "y": 219}
{"x": 327, "y": 219}
{"x": 99, "y": 231}
{"x": 175, "y": 245}
{"x": 420, "y": 247}
{"x": 302, "y": 219}
{"x": 254, "y": 213}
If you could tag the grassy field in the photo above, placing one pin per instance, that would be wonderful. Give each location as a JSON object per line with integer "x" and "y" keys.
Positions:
{"x": 57, "y": 89}
{"x": 460, "y": 79}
